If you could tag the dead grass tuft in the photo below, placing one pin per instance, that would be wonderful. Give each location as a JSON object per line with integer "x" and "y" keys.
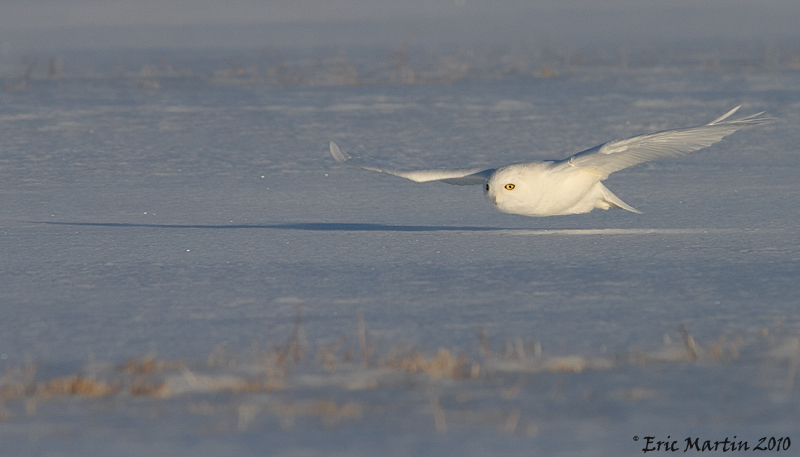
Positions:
{"x": 13, "y": 390}
{"x": 442, "y": 365}
{"x": 569, "y": 364}
{"x": 76, "y": 385}
{"x": 327, "y": 353}
{"x": 149, "y": 365}
{"x": 330, "y": 413}
{"x": 275, "y": 367}
{"x": 143, "y": 388}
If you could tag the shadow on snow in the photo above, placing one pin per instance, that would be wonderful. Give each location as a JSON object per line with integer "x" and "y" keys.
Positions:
{"x": 308, "y": 226}
{"x": 361, "y": 227}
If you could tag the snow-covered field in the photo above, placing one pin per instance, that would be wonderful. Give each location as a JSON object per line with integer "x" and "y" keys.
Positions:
{"x": 186, "y": 271}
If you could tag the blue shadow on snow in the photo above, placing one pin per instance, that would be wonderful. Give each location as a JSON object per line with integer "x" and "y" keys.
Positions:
{"x": 309, "y": 226}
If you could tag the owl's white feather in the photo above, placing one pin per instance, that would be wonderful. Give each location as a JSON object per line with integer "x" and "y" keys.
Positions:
{"x": 572, "y": 185}
{"x": 620, "y": 154}
{"x": 458, "y": 176}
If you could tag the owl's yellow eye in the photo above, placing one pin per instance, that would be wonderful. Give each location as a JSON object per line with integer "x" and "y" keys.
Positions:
{"x": 510, "y": 186}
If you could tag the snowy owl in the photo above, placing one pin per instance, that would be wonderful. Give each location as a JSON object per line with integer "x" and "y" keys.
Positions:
{"x": 572, "y": 185}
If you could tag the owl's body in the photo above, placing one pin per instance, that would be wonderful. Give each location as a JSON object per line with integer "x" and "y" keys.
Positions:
{"x": 548, "y": 189}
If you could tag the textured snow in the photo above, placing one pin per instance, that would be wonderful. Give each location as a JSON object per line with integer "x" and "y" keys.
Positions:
{"x": 193, "y": 223}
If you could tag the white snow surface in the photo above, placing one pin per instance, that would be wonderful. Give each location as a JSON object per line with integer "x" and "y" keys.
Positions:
{"x": 196, "y": 221}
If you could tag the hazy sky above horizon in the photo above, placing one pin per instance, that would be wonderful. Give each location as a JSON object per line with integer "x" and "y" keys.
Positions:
{"x": 95, "y": 23}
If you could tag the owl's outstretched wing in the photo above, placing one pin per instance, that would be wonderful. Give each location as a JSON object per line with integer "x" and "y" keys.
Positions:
{"x": 619, "y": 154}
{"x": 458, "y": 176}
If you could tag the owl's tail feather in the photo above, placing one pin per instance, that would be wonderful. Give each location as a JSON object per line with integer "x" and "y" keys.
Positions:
{"x": 615, "y": 201}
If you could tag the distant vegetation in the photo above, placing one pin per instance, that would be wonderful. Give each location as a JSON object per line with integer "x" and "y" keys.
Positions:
{"x": 405, "y": 65}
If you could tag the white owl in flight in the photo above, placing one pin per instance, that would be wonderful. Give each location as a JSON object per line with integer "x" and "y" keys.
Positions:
{"x": 572, "y": 185}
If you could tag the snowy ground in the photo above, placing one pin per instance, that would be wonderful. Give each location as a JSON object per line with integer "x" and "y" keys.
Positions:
{"x": 184, "y": 267}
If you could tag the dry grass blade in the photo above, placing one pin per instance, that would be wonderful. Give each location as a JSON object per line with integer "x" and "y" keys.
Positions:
{"x": 297, "y": 346}
{"x": 512, "y": 422}
{"x": 486, "y": 350}
{"x": 362, "y": 338}
{"x": 439, "y": 419}
{"x": 691, "y": 346}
